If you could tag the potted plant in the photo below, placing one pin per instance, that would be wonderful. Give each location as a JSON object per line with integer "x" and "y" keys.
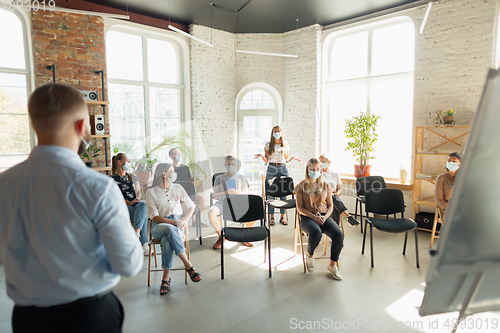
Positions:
{"x": 92, "y": 152}
{"x": 448, "y": 116}
{"x": 361, "y": 132}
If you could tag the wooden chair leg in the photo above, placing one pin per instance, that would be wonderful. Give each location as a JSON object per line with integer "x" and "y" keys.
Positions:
{"x": 302, "y": 248}
{"x": 149, "y": 265}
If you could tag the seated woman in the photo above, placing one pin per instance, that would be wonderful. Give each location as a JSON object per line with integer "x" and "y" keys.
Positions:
{"x": 131, "y": 190}
{"x": 164, "y": 206}
{"x": 444, "y": 182}
{"x": 335, "y": 182}
{"x": 315, "y": 205}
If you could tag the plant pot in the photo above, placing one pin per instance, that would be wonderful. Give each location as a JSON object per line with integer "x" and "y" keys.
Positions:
{"x": 447, "y": 119}
{"x": 89, "y": 164}
{"x": 362, "y": 170}
{"x": 143, "y": 177}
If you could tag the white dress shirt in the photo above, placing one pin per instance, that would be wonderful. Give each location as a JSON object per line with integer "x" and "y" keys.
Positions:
{"x": 165, "y": 203}
{"x": 66, "y": 231}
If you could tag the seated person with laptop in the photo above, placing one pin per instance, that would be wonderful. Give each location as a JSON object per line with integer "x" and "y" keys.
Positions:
{"x": 184, "y": 175}
{"x": 228, "y": 183}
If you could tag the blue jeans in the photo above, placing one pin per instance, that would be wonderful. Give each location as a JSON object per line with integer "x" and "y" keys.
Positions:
{"x": 139, "y": 214}
{"x": 171, "y": 241}
{"x": 276, "y": 171}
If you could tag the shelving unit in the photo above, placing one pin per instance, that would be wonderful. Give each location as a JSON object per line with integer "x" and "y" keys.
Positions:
{"x": 103, "y": 104}
{"x": 421, "y": 151}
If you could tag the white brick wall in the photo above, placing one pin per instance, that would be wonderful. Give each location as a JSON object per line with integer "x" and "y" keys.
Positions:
{"x": 452, "y": 58}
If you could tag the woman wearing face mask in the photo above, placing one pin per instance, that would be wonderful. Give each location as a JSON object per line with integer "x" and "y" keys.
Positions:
{"x": 164, "y": 205}
{"x": 335, "y": 182}
{"x": 315, "y": 205}
{"x": 444, "y": 183}
{"x": 277, "y": 154}
{"x": 131, "y": 190}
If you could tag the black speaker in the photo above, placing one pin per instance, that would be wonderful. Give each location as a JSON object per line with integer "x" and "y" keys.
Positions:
{"x": 426, "y": 220}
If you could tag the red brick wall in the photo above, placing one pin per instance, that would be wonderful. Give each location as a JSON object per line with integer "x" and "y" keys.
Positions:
{"x": 74, "y": 43}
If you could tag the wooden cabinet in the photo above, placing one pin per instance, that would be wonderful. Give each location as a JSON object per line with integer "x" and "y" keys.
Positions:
{"x": 432, "y": 141}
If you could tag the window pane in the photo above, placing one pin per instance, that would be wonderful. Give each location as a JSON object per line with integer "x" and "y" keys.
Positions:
{"x": 126, "y": 117}
{"x": 124, "y": 56}
{"x": 349, "y": 57}
{"x": 392, "y": 99}
{"x": 165, "y": 115}
{"x": 256, "y": 131}
{"x": 14, "y": 122}
{"x": 257, "y": 99}
{"x": 393, "y": 49}
{"x": 346, "y": 99}
{"x": 162, "y": 62}
{"x": 12, "y": 43}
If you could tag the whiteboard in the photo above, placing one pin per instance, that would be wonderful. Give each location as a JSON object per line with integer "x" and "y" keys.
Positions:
{"x": 466, "y": 268}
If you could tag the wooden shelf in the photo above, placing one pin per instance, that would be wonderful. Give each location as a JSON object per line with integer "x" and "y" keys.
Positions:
{"x": 101, "y": 168}
{"x": 100, "y": 136}
{"x": 426, "y": 176}
{"x": 97, "y": 102}
{"x": 428, "y": 203}
{"x": 432, "y": 153}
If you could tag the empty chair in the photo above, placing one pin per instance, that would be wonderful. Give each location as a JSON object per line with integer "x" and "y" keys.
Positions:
{"x": 281, "y": 187}
{"x": 363, "y": 185}
{"x": 385, "y": 202}
{"x": 244, "y": 208}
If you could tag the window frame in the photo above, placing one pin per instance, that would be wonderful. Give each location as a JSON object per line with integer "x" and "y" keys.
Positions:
{"x": 25, "y": 19}
{"x": 183, "y": 86}
{"x": 329, "y": 38}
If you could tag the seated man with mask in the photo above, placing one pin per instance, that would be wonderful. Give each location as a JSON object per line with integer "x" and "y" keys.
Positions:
{"x": 183, "y": 174}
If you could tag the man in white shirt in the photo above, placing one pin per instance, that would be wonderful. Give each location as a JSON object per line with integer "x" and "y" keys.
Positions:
{"x": 66, "y": 237}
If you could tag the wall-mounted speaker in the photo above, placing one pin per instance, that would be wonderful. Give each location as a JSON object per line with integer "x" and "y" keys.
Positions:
{"x": 89, "y": 95}
{"x": 97, "y": 126}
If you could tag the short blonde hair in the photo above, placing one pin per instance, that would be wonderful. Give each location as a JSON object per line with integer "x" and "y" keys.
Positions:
{"x": 229, "y": 158}
{"x": 326, "y": 156}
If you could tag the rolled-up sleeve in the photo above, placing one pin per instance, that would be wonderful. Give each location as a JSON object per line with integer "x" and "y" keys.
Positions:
{"x": 112, "y": 221}
{"x": 151, "y": 204}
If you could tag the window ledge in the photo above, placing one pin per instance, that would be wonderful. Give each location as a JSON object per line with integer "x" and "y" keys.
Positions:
{"x": 391, "y": 183}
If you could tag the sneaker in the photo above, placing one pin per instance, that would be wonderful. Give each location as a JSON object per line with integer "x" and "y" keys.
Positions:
{"x": 309, "y": 264}
{"x": 145, "y": 247}
{"x": 335, "y": 272}
{"x": 352, "y": 221}
{"x": 217, "y": 244}
{"x": 138, "y": 234}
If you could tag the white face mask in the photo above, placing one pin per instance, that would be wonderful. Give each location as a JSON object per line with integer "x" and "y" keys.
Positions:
{"x": 314, "y": 174}
{"x": 277, "y": 135}
{"x": 324, "y": 165}
{"x": 127, "y": 166}
{"x": 452, "y": 166}
{"x": 173, "y": 177}
{"x": 178, "y": 158}
{"x": 231, "y": 168}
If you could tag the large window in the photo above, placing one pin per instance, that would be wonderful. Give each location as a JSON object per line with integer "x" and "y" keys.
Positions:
{"x": 370, "y": 69}
{"x": 14, "y": 89}
{"x": 145, "y": 90}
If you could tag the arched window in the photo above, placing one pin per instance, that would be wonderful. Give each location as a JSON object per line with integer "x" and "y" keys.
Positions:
{"x": 370, "y": 69}
{"x": 15, "y": 141}
{"x": 258, "y": 110}
{"x": 145, "y": 89}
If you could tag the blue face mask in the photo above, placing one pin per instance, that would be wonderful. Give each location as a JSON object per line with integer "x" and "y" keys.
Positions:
{"x": 314, "y": 174}
{"x": 178, "y": 158}
{"x": 230, "y": 168}
{"x": 324, "y": 165}
{"x": 277, "y": 135}
{"x": 126, "y": 166}
{"x": 452, "y": 166}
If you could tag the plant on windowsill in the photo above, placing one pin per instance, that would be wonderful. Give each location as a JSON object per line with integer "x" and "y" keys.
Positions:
{"x": 360, "y": 130}
{"x": 92, "y": 152}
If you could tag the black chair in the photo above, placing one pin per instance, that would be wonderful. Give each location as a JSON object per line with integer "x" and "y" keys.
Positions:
{"x": 363, "y": 185}
{"x": 215, "y": 175}
{"x": 280, "y": 187}
{"x": 243, "y": 208}
{"x": 191, "y": 192}
{"x": 384, "y": 202}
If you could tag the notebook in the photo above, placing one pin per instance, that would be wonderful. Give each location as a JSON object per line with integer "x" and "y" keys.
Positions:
{"x": 230, "y": 183}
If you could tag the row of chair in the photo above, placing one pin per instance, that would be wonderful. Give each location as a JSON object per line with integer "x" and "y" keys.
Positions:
{"x": 372, "y": 193}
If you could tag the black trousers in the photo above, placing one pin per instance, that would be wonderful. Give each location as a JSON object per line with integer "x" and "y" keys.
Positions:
{"x": 315, "y": 231}
{"x": 339, "y": 208}
{"x": 92, "y": 314}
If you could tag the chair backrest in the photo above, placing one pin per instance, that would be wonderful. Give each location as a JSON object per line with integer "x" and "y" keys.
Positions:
{"x": 215, "y": 176}
{"x": 243, "y": 208}
{"x": 280, "y": 187}
{"x": 384, "y": 201}
{"x": 365, "y": 184}
{"x": 189, "y": 188}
